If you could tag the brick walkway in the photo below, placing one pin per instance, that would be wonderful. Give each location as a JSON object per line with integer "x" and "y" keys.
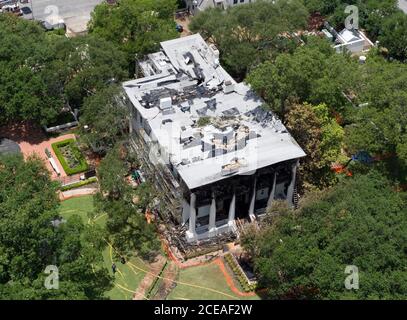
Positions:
{"x": 32, "y": 140}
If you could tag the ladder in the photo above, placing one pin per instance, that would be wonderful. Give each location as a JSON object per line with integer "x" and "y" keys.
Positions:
{"x": 295, "y": 197}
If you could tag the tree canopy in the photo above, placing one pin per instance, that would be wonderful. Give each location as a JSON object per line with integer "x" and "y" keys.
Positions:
{"x": 29, "y": 242}
{"x": 42, "y": 73}
{"x": 321, "y": 138}
{"x": 136, "y": 26}
{"x": 361, "y": 222}
{"x": 250, "y": 34}
{"x": 125, "y": 207}
{"x": 379, "y": 124}
{"x": 104, "y": 119}
{"x": 313, "y": 73}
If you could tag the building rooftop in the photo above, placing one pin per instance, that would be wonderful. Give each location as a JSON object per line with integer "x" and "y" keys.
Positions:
{"x": 8, "y": 146}
{"x": 208, "y": 127}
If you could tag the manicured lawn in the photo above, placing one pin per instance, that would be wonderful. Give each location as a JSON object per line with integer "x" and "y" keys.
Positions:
{"x": 211, "y": 285}
{"x": 201, "y": 282}
{"x": 129, "y": 275}
{"x": 80, "y": 206}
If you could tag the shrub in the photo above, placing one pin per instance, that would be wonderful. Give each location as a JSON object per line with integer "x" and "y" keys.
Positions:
{"x": 78, "y": 158}
{"x": 79, "y": 184}
{"x": 239, "y": 274}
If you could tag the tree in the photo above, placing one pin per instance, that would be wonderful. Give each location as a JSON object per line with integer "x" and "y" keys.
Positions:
{"x": 379, "y": 126}
{"x": 136, "y": 26}
{"x": 321, "y": 138}
{"x": 125, "y": 207}
{"x": 40, "y": 75}
{"x": 111, "y": 173}
{"x": 313, "y": 73}
{"x": 250, "y": 34}
{"x": 29, "y": 242}
{"x": 360, "y": 222}
{"x": 25, "y": 93}
{"x": 86, "y": 65}
{"x": 104, "y": 119}
{"x": 393, "y": 36}
{"x": 128, "y": 229}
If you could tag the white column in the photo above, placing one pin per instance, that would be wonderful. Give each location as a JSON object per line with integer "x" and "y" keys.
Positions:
{"x": 273, "y": 190}
{"x": 191, "y": 235}
{"x": 290, "y": 189}
{"x": 232, "y": 207}
{"x": 185, "y": 211}
{"x": 212, "y": 215}
{"x": 253, "y": 200}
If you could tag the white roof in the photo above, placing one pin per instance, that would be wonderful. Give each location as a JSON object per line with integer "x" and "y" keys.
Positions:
{"x": 239, "y": 126}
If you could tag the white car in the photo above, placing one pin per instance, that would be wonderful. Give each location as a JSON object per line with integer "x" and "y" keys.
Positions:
{"x": 12, "y": 8}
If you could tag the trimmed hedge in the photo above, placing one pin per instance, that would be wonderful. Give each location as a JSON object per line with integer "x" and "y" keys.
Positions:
{"x": 83, "y": 166}
{"x": 156, "y": 283}
{"x": 79, "y": 184}
{"x": 241, "y": 277}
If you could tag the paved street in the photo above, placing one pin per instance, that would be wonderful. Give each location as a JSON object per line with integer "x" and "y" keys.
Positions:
{"x": 75, "y": 13}
{"x": 403, "y": 5}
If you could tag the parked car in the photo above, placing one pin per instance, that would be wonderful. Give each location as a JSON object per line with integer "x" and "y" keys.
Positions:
{"x": 26, "y": 10}
{"x": 12, "y": 8}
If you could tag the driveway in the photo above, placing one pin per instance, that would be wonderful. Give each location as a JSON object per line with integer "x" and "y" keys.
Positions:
{"x": 75, "y": 13}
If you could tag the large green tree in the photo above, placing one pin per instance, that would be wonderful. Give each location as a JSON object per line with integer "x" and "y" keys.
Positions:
{"x": 361, "y": 222}
{"x": 321, "y": 138}
{"x": 136, "y": 26}
{"x": 379, "y": 124}
{"x": 30, "y": 239}
{"x": 314, "y": 73}
{"x": 40, "y": 74}
{"x": 84, "y": 65}
{"x": 247, "y": 35}
{"x": 25, "y": 91}
{"x": 125, "y": 207}
{"x": 104, "y": 119}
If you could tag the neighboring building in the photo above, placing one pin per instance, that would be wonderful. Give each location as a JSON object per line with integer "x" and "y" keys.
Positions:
{"x": 354, "y": 41}
{"x": 206, "y": 141}
{"x": 195, "y": 6}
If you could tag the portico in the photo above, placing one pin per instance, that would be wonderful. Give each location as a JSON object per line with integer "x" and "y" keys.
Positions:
{"x": 211, "y": 209}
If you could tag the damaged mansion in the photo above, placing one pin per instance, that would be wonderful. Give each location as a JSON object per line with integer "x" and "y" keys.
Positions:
{"x": 211, "y": 148}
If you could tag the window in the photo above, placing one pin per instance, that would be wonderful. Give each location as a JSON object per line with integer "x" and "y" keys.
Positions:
{"x": 234, "y": 1}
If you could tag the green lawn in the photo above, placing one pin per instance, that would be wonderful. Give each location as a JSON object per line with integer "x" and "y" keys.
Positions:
{"x": 211, "y": 282}
{"x": 80, "y": 206}
{"x": 201, "y": 282}
{"x": 129, "y": 275}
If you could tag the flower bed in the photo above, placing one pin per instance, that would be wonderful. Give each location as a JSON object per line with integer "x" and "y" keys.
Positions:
{"x": 246, "y": 284}
{"x": 68, "y": 154}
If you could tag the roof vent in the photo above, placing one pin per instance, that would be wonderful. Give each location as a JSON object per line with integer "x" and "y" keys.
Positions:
{"x": 165, "y": 103}
{"x": 229, "y": 87}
